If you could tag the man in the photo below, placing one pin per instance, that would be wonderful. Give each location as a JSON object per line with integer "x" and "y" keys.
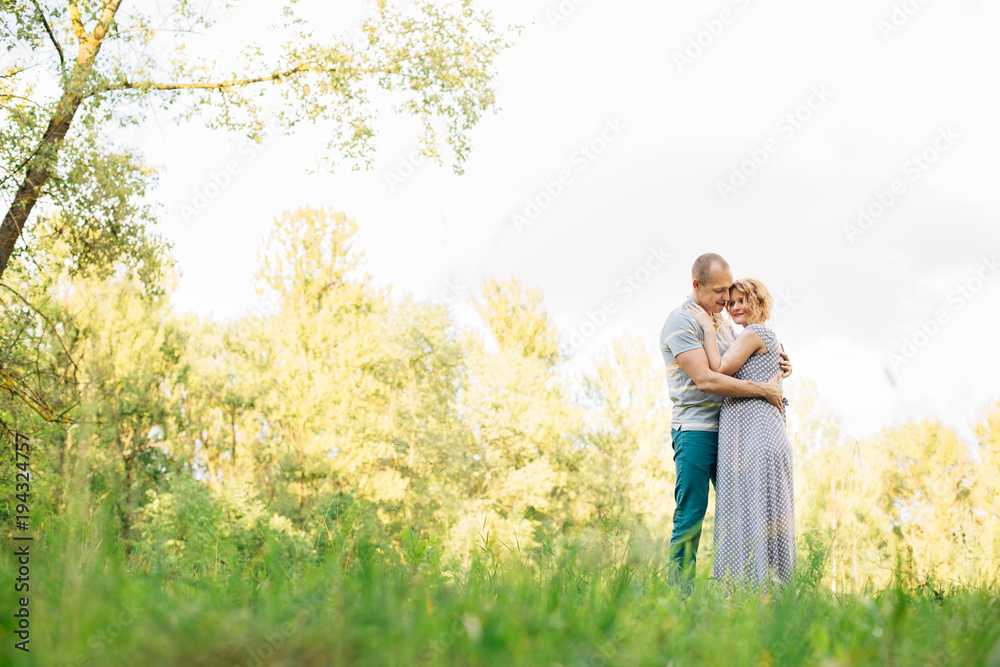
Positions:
{"x": 696, "y": 391}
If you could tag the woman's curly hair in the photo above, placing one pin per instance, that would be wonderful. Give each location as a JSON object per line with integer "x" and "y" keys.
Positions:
{"x": 758, "y": 299}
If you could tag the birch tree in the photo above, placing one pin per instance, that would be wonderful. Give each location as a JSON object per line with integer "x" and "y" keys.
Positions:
{"x": 74, "y": 69}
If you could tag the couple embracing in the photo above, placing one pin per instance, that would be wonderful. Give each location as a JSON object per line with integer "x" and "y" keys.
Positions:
{"x": 728, "y": 428}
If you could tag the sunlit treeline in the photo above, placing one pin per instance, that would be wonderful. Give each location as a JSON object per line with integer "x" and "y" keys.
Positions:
{"x": 210, "y": 440}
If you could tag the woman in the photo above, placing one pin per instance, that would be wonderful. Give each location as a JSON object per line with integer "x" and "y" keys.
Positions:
{"x": 754, "y": 502}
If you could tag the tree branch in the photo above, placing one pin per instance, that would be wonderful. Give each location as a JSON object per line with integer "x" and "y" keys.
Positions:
{"x": 10, "y": 74}
{"x": 234, "y": 83}
{"x": 21, "y": 166}
{"x": 36, "y": 403}
{"x": 20, "y": 97}
{"x": 48, "y": 29}
{"x": 74, "y": 17}
{"x": 47, "y": 321}
{"x": 104, "y": 23}
{"x": 218, "y": 85}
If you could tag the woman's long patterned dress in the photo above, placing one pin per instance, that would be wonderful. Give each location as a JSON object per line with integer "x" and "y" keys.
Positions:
{"x": 754, "y": 501}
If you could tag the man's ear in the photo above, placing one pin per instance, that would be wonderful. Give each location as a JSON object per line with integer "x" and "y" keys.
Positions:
{"x": 694, "y": 283}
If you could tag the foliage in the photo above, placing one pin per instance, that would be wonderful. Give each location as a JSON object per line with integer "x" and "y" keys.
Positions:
{"x": 381, "y": 597}
{"x": 359, "y": 455}
{"x": 75, "y": 70}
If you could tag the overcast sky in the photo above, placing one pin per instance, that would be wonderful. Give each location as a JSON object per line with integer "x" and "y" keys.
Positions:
{"x": 757, "y": 129}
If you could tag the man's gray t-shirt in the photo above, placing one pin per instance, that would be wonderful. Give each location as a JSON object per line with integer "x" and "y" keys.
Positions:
{"x": 693, "y": 409}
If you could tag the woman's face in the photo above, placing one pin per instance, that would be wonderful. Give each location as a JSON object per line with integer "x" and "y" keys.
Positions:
{"x": 737, "y": 307}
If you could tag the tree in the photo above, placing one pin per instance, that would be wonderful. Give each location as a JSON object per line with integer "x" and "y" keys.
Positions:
{"x": 421, "y": 369}
{"x": 515, "y": 405}
{"x": 113, "y": 59}
{"x": 627, "y": 436}
{"x": 323, "y": 400}
{"x": 127, "y": 349}
{"x": 517, "y": 319}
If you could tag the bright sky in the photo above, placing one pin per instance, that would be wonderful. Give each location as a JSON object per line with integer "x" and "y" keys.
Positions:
{"x": 755, "y": 129}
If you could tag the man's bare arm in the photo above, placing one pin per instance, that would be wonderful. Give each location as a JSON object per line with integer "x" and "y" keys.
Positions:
{"x": 695, "y": 364}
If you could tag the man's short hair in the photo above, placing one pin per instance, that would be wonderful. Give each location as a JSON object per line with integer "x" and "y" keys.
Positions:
{"x": 703, "y": 266}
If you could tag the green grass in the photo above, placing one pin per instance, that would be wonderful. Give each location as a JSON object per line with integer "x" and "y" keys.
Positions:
{"x": 369, "y": 602}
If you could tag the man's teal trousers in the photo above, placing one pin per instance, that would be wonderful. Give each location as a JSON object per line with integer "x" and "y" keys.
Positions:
{"x": 695, "y": 456}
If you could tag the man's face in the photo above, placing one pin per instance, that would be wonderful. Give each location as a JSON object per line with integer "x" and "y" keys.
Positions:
{"x": 713, "y": 294}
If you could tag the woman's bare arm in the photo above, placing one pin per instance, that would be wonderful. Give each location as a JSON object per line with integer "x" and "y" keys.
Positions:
{"x": 746, "y": 344}
{"x": 707, "y": 325}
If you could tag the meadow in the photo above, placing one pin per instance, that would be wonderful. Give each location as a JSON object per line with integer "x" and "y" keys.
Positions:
{"x": 377, "y": 599}
{"x": 352, "y": 478}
